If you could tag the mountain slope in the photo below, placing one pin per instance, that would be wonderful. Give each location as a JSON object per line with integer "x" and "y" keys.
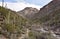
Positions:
{"x": 28, "y": 12}
{"x": 49, "y": 17}
{"x": 13, "y": 24}
{"x": 31, "y": 23}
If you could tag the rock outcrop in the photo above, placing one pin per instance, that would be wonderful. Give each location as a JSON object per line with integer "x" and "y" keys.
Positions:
{"x": 28, "y": 12}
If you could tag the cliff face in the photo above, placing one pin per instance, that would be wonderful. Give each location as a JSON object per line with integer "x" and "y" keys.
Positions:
{"x": 28, "y": 12}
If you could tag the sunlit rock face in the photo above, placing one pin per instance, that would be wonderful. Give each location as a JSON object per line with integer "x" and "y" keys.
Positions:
{"x": 28, "y": 12}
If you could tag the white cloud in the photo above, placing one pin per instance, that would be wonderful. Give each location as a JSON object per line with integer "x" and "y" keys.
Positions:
{"x": 20, "y": 0}
{"x": 20, "y": 5}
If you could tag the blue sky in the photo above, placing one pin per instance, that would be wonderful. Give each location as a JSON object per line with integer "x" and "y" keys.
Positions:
{"x": 37, "y": 3}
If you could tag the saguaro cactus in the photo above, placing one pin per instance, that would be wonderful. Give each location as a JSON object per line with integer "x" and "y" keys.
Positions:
{"x": 2, "y": 3}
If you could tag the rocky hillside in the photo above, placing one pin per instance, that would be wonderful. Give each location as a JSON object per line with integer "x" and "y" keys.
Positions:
{"x": 49, "y": 14}
{"x": 44, "y": 25}
{"x": 28, "y": 12}
{"x": 11, "y": 24}
{"x": 49, "y": 17}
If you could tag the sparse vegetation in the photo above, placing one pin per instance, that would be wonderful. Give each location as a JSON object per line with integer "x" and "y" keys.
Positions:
{"x": 13, "y": 22}
{"x": 16, "y": 24}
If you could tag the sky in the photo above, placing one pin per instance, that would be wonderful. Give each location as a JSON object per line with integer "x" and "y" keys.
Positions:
{"x": 18, "y": 5}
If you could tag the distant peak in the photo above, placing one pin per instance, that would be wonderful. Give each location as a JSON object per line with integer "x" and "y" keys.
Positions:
{"x": 30, "y": 8}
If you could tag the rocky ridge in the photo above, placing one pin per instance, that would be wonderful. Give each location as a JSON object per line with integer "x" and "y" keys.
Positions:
{"x": 28, "y": 12}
